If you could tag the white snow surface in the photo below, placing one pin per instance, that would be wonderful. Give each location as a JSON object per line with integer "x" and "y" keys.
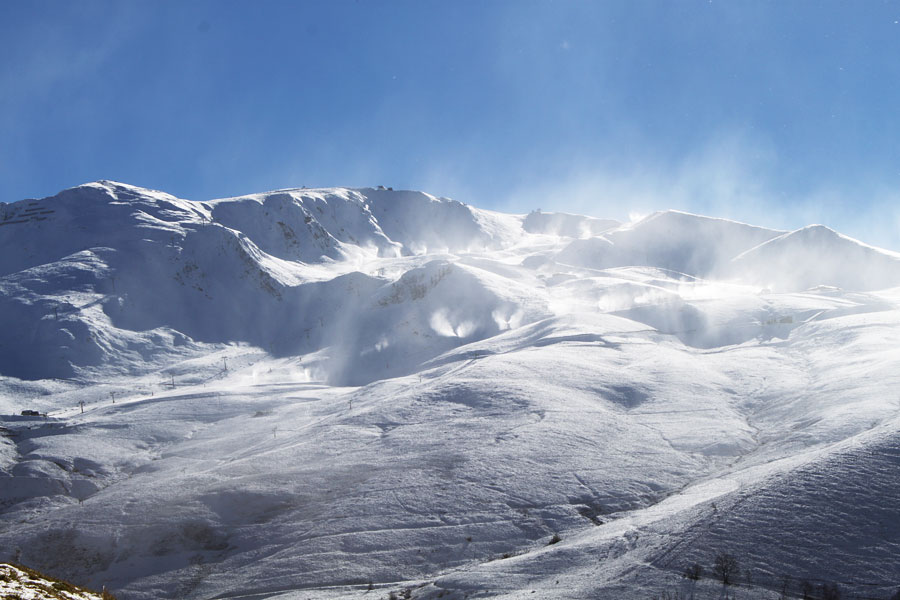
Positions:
{"x": 338, "y": 393}
{"x": 18, "y": 584}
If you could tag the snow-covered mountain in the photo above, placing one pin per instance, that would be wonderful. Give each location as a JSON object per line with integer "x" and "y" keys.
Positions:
{"x": 356, "y": 392}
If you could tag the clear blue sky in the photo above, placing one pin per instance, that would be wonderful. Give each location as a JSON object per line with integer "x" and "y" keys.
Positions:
{"x": 777, "y": 113}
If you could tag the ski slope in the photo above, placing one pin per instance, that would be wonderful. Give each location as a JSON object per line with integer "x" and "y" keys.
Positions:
{"x": 341, "y": 393}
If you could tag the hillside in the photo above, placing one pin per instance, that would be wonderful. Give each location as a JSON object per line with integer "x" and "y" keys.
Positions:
{"x": 340, "y": 393}
{"x": 20, "y": 583}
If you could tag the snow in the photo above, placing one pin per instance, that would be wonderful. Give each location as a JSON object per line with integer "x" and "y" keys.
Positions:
{"x": 672, "y": 240}
{"x": 566, "y": 225}
{"x": 27, "y": 585}
{"x": 305, "y": 393}
{"x": 816, "y": 255}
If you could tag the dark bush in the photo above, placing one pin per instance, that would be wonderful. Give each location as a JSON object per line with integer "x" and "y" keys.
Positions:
{"x": 830, "y": 591}
{"x": 693, "y": 572}
{"x": 785, "y": 587}
{"x": 726, "y": 568}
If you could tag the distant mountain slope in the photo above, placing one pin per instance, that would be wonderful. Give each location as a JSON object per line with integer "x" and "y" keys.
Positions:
{"x": 573, "y": 226}
{"x": 308, "y": 226}
{"x": 816, "y": 255}
{"x": 95, "y": 215}
{"x": 672, "y": 240}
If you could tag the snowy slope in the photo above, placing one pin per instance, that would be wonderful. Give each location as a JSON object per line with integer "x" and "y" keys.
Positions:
{"x": 339, "y": 393}
{"x": 25, "y": 584}
{"x": 672, "y": 240}
{"x": 566, "y": 225}
{"x": 136, "y": 265}
{"x": 816, "y": 255}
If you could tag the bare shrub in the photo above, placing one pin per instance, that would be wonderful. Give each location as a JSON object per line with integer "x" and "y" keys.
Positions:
{"x": 693, "y": 572}
{"x": 785, "y": 587}
{"x": 726, "y": 568}
{"x": 830, "y": 591}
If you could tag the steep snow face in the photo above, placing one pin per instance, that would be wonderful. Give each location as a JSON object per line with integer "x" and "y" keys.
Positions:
{"x": 109, "y": 262}
{"x": 424, "y": 224}
{"x": 311, "y": 393}
{"x": 101, "y": 214}
{"x": 306, "y": 225}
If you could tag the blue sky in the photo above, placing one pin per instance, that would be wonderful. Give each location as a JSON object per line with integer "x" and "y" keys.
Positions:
{"x": 776, "y": 113}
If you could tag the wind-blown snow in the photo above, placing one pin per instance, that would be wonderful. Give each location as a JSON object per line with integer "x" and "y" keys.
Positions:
{"x": 305, "y": 393}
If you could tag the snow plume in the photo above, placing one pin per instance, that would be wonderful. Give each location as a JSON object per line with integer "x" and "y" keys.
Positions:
{"x": 733, "y": 175}
{"x": 726, "y": 177}
{"x": 699, "y": 313}
{"x": 566, "y": 225}
{"x": 817, "y": 255}
{"x": 685, "y": 244}
{"x": 443, "y": 324}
